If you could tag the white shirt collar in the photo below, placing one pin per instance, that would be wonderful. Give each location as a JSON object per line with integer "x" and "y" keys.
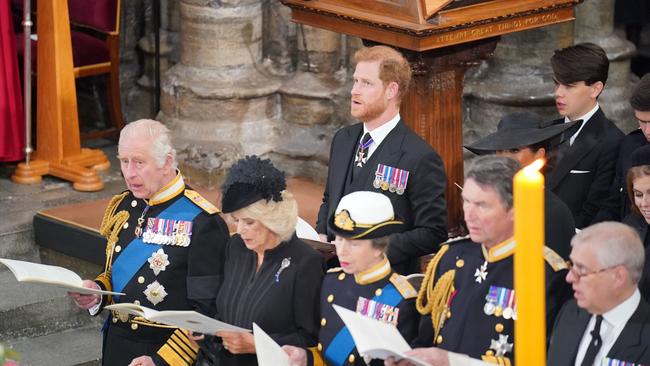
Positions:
{"x": 584, "y": 119}
{"x": 620, "y": 314}
{"x": 379, "y": 134}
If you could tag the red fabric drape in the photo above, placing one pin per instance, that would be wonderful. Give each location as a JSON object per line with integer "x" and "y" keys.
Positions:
{"x": 12, "y": 120}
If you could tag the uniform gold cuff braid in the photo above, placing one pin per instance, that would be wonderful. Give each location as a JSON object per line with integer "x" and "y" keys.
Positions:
{"x": 111, "y": 226}
{"x": 434, "y": 296}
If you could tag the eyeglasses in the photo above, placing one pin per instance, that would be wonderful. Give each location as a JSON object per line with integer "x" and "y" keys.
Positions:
{"x": 579, "y": 275}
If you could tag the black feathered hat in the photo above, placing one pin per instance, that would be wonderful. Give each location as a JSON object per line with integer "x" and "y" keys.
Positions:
{"x": 249, "y": 180}
{"x": 640, "y": 156}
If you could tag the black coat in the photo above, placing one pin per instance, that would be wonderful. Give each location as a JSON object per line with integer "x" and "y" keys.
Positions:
{"x": 191, "y": 281}
{"x": 632, "y": 345}
{"x": 584, "y": 174}
{"x": 422, "y": 207}
{"x": 283, "y": 302}
{"x": 467, "y": 328}
{"x": 559, "y": 226}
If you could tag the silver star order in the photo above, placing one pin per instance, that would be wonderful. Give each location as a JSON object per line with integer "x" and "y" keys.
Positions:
{"x": 155, "y": 292}
{"x": 501, "y": 347}
{"x": 158, "y": 261}
{"x": 361, "y": 159}
{"x": 481, "y": 273}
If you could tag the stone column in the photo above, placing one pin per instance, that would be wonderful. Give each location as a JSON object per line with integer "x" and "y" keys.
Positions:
{"x": 314, "y": 102}
{"x": 218, "y": 100}
{"x": 518, "y": 77}
{"x": 595, "y": 23}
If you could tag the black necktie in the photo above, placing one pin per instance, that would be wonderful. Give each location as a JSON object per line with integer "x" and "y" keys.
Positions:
{"x": 595, "y": 344}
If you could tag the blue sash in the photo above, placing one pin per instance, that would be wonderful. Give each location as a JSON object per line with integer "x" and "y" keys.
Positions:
{"x": 342, "y": 344}
{"x": 137, "y": 252}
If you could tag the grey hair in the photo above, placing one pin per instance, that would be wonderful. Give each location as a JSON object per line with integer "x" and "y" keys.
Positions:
{"x": 279, "y": 217}
{"x": 614, "y": 244}
{"x": 157, "y": 133}
{"x": 495, "y": 172}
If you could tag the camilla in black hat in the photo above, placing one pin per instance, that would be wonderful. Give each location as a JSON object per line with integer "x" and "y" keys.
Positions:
{"x": 364, "y": 283}
{"x": 638, "y": 190}
{"x": 270, "y": 277}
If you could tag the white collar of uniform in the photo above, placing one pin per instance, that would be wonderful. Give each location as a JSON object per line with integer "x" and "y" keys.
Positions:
{"x": 584, "y": 119}
{"x": 620, "y": 314}
{"x": 374, "y": 273}
{"x": 169, "y": 191}
{"x": 379, "y": 134}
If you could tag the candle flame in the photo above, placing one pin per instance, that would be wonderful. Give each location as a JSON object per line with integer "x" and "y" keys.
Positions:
{"x": 535, "y": 165}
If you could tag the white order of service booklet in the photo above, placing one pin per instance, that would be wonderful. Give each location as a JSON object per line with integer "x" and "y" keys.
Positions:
{"x": 50, "y": 275}
{"x": 269, "y": 353}
{"x": 185, "y": 319}
{"x": 375, "y": 339}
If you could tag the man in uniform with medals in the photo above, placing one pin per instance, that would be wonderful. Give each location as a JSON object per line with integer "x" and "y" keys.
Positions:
{"x": 467, "y": 297}
{"x": 165, "y": 250}
{"x": 382, "y": 154}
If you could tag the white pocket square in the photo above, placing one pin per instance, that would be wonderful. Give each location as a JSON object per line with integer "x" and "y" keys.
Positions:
{"x": 580, "y": 171}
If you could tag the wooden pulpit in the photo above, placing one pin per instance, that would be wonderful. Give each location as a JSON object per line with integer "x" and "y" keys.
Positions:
{"x": 58, "y": 147}
{"x": 441, "y": 39}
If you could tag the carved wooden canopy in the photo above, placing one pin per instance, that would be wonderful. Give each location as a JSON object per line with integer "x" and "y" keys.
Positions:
{"x": 422, "y": 25}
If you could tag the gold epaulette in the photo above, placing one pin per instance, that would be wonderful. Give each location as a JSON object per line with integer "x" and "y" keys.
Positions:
{"x": 334, "y": 270}
{"x": 403, "y": 286}
{"x": 554, "y": 260}
{"x": 198, "y": 200}
{"x": 179, "y": 350}
{"x": 497, "y": 360}
{"x": 456, "y": 239}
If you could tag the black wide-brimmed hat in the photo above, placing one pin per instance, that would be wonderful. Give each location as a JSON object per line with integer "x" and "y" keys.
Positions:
{"x": 249, "y": 180}
{"x": 521, "y": 129}
{"x": 364, "y": 215}
{"x": 640, "y": 156}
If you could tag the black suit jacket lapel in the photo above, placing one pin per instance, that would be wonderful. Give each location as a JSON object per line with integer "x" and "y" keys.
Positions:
{"x": 340, "y": 167}
{"x": 584, "y": 143}
{"x": 628, "y": 347}
{"x": 579, "y": 324}
{"x": 388, "y": 153}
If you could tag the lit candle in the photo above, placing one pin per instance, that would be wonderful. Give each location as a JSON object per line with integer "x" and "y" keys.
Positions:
{"x": 530, "y": 294}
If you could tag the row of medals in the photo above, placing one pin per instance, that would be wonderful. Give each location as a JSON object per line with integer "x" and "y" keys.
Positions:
{"x": 491, "y": 308}
{"x": 386, "y": 186}
{"x": 181, "y": 240}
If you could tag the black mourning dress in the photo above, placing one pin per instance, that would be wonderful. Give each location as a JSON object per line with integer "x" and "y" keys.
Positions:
{"x": 283, "y": 299}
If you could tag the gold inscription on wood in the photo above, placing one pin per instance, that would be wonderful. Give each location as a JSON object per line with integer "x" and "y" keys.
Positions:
{"x": 493, "y": 29}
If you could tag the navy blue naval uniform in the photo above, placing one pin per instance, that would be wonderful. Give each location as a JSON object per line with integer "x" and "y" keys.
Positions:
{"x": 391, "y": 293}
{"x": 179, "y": 269}
{"x": 465, "y": 294}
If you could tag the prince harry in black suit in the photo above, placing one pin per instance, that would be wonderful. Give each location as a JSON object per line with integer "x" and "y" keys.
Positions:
{"x": 608, "y": 322}
{"x": 382, "y": 154}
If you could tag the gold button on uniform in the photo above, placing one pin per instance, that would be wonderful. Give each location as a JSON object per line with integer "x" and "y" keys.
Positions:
{"x": 448, "y": 314}
{"x": 134, "y": 326}
{"x": 320, "y": 346}
{"x": 351, "y": 359}
{"x": 114, "y": 320}
{"x": 134, "y": 203}
{"x": 460, "y": 263}
{"x": 378, "y": 292}
{"x": 323, "y": 321}
{"x": 439, "y": 339}
{"x": 118, "y": 249}
{"x": 341, "y": 276}
{"x": 330, "y": 298}
{"x": 489, "y": 352}
{"x": 498, "y": 327}
{"x": 126, "y": 225}
{"x": 140, "y": 279}
{"x": 137, "y": 302}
